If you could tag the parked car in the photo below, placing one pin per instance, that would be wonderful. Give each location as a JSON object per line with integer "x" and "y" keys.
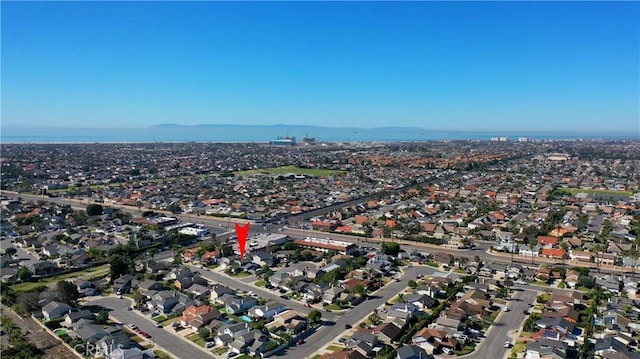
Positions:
{"x": 133, "y": 326}
{"x": 507, "y": 344}
{"x": 231, "y": 354}
{"x": 209, "y": 345}
{"x": 347, "y": 326}
{"x": 447, "y": 350}
{"x": 158, "y": 325}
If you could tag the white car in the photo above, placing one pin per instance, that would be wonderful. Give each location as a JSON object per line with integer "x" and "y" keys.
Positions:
{"x": 210, "y": 345}
{"x": 507, "y": 344}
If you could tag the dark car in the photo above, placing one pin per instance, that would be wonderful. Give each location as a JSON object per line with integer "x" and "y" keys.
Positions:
{"x": 347, "y": 326}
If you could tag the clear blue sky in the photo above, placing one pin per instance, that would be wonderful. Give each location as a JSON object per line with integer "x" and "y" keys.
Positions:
{"x": 545, "y": 66}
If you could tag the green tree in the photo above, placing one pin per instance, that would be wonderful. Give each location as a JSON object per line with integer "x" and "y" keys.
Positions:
{"x": 374, "y": 318}
{"x": 23, "y": 274}
{"x": 102, "y": 317}
{"x": 68, "y": 292}
{"x": 359, "y": 290}
{"x": 391, "y": 248}
{"x": 204, "y": 332}
{"x": 119, "y": 265}
{"x": 314, "y": 316}
{"x": 10, "y": 251}
{"x": 94, "y": 209}
{"x": 412, "y": 283}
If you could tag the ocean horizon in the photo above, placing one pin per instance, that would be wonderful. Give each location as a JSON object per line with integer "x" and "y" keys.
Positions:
{"x": 263, "y": 134}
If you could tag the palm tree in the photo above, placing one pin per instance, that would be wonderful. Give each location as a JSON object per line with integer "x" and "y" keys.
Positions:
{"x": 531, "y": 246}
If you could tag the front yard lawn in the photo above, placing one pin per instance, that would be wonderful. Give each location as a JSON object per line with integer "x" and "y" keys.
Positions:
{"x": 220, "y": 350}
{"x": 334, "y": 348}
{"x": 519, "y": 347}
{"x": 161, "y": 354}
{"x": 466, "y": 350}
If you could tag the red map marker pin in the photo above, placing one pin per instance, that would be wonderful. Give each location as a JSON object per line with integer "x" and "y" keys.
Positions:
{"x": 242, "y": 232}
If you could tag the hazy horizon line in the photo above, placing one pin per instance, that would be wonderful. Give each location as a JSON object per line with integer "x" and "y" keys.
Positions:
{"x": 531, "y": 131}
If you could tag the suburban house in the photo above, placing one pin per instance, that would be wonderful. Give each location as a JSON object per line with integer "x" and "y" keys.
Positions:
{"x": 54, "y": 310}
{"x": 267, "y": 311}
{"x": 239, "y": 305}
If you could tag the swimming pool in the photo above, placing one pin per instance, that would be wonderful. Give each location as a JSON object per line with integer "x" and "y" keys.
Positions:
{"x": 245, "y": 318}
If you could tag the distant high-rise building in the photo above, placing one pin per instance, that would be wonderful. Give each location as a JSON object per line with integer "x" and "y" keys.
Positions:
{"x": 523, "y": 139}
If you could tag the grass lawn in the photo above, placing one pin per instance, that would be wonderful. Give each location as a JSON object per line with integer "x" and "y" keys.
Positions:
{"x": 160, "y": 318}
{"x": 334, "y": 348}
{"x": 260, "y": 283}
{"x": 466, "y": 350}
{"x": 317, "y": 356}
{"x": 492, "y": 316}
{"x": 242, "y": 274}
{"x": 193, "y": 337}
{"x": 317, "y": 172}
{"x": 600, "y": 192}
{"x": 200, "y": 341}
{"x": 220, "y": 350}
{"x": 245, "y": 356}
{"x": 333, "y": 306}
{"x": 519, "y": 347}
{"x": 137, "y": 339}
{"x": 170, "y": 320}
{"x": 88, "y": 274}
{"x": 161, "y": 354}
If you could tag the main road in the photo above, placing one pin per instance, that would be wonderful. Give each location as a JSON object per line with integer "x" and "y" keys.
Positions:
{"x": 222, "y": 224}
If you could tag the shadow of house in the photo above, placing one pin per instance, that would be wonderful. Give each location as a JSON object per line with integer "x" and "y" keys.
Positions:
{"x": 122, "y": 285}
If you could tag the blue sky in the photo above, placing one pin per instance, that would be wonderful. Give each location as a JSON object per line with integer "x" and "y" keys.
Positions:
{"x": 536, "y": 66}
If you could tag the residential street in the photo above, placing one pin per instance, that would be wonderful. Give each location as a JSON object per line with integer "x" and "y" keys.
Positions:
{"x": 164, "y": 338}
{"x": 505, "y": 327}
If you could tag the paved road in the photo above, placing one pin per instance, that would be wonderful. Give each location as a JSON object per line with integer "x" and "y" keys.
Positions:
{"x": 506, "y": 325}
{"x": 163, "y": 338}
{"x": 241, "y": 284}
{"x": 215, "y": 222}
{"x": 327, "y": 334}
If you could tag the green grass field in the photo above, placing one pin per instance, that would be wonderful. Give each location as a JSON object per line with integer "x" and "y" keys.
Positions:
{"x": 316, "y": 172}
{"x": 601, "y": 192}
{"x": 87, "y": 274}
